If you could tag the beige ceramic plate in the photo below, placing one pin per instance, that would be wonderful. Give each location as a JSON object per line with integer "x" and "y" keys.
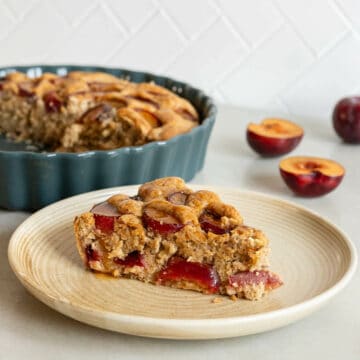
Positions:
{"x": 314, "y": 258}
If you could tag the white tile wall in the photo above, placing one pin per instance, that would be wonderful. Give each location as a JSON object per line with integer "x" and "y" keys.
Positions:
{"x": 147, "y": 51}
{"x": 255, "y": 20}
{"x": 317, "y": 23}
{"x": 209, "y": 57}
{"x": 332, "y": 76}
{"x": 268, "y": 69}
{"x": 297, "y": 56}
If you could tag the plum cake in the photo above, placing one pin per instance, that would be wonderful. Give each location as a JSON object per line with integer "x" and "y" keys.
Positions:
{"x": 90, "y": 110}
{"x": 169, "y": 235}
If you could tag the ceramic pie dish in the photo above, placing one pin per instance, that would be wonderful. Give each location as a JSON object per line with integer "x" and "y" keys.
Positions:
{"x": 32, "y": 179}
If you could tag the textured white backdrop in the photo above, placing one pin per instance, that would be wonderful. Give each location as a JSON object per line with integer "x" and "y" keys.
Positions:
{"x": 295, "y": 56}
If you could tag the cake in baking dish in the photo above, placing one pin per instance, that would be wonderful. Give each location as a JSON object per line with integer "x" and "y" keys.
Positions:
{"x": 90, "y": 111}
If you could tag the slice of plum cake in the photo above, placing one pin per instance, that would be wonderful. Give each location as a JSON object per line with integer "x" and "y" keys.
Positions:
{"x": 169, "y": 235}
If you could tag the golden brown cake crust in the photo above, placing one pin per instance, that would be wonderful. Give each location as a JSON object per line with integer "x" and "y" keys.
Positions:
{"x": 167, "y": 222}
{"x": 86, "y": 111}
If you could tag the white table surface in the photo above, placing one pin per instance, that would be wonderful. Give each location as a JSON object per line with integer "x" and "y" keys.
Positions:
{"x": 30, "y": 330}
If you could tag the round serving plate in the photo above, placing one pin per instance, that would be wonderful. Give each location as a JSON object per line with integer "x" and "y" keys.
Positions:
{"x": 313, "y": 257}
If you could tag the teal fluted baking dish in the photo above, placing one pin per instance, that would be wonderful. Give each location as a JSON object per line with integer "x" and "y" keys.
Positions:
{"x": 30, "y": 180}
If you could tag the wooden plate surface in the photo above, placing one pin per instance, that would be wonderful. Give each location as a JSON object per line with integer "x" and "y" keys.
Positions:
{"x": 314, "y": 258}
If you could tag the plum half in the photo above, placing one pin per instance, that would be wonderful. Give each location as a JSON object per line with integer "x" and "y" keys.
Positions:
{"x": 274, "y": 137}
{"x": 311, "y": 176}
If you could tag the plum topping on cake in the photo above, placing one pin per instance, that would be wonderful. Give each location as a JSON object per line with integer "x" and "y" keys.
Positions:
{"x": 52, "y": 102}
{"x": 149, "y": 117}
{"x": 186, "y": 114}
{"x": 178, "y": 197}
{"x": 144, "y": 100}
{"x": 91, "y": 254}
{"x": 211, "y": 222}
{"x": 99, "y": 86}
{"x": 133, "y": 259}
{"x": 105, "y": 215}
{"x": 161, "y": 222}
{"x": 25, "y": 89}
{"x": 135, "y": 197}
{"x": 104, "y": 223}
{"x": 98, "y": 113}
{"x": 243, "y": 278}
{"x": 178, "y": 269}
